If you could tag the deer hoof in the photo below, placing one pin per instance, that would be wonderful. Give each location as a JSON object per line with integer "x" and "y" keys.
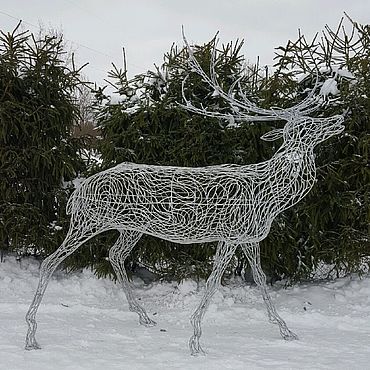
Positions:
{"x": 289, "y": 335}
{"x": 147, "y": 322}
{"x": 195, "y": 348}
{"x": 32, "y": 346}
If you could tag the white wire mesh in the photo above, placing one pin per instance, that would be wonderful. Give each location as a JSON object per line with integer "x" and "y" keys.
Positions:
{"x": 234, "y": 205}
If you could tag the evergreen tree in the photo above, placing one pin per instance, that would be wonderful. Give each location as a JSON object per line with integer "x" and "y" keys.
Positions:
{"x": 329, "y": 230}
{"x": 37, "y": 151}
{"x": 145, "y": 124}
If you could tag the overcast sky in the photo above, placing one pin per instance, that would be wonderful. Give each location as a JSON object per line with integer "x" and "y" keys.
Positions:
{"x": 146, "y": 28}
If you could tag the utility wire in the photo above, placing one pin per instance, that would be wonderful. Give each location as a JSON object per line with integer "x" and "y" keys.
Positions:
{"x": 87, "y": 11}
{"x": 71, "y": 41}
{"x": 18, "y": 19}
{"x": 111, "y": 57}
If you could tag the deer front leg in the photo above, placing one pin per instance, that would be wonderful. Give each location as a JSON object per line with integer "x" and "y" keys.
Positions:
{"x": 74, "y": 238}
{"x": 252, "y": 252}
{"x": 223, "y": 256}
{"x": 117, "y": 256}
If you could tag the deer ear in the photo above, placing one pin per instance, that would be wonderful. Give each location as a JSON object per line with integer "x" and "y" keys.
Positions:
{"x": 273, "y": 135}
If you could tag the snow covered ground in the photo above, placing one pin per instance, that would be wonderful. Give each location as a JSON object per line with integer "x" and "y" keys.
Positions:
{"x": 84, "y": 323}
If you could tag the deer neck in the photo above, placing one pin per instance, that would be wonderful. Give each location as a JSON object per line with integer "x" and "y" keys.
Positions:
{"x": 295, "y": 154}
{"x": 292, "y": 173}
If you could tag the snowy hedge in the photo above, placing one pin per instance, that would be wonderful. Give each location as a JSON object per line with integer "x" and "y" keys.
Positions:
{"x": 142, "y": 122}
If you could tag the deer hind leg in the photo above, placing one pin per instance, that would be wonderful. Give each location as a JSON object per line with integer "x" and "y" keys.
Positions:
{"x": 75, "y": 237}
{"x": 252, "y": 252}
{"x": 223, "y": 256}
{"x": 117, "y": 256}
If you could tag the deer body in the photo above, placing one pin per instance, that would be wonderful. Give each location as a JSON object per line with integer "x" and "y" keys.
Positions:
{"x": 194, "y": 205}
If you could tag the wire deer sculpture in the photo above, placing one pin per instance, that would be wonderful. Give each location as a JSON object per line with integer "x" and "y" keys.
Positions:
{"x": 233, "y": 205}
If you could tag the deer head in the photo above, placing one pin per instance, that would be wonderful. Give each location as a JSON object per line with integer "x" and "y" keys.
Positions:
{"x": 307, "y": 131}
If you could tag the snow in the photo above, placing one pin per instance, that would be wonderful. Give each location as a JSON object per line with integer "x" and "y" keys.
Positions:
{"x": 84, "y": 323}
{"x": 345, "y": 73}
{"x": 75, "y": 183}
{"x": 329, "y": 87}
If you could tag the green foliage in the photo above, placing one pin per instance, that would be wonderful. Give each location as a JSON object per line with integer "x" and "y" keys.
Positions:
{"x": 145, "y": 124}
{"x": 37, "y": 151}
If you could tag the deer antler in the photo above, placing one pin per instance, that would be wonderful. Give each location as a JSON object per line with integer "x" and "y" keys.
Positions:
{"x": 241, "y": 107}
